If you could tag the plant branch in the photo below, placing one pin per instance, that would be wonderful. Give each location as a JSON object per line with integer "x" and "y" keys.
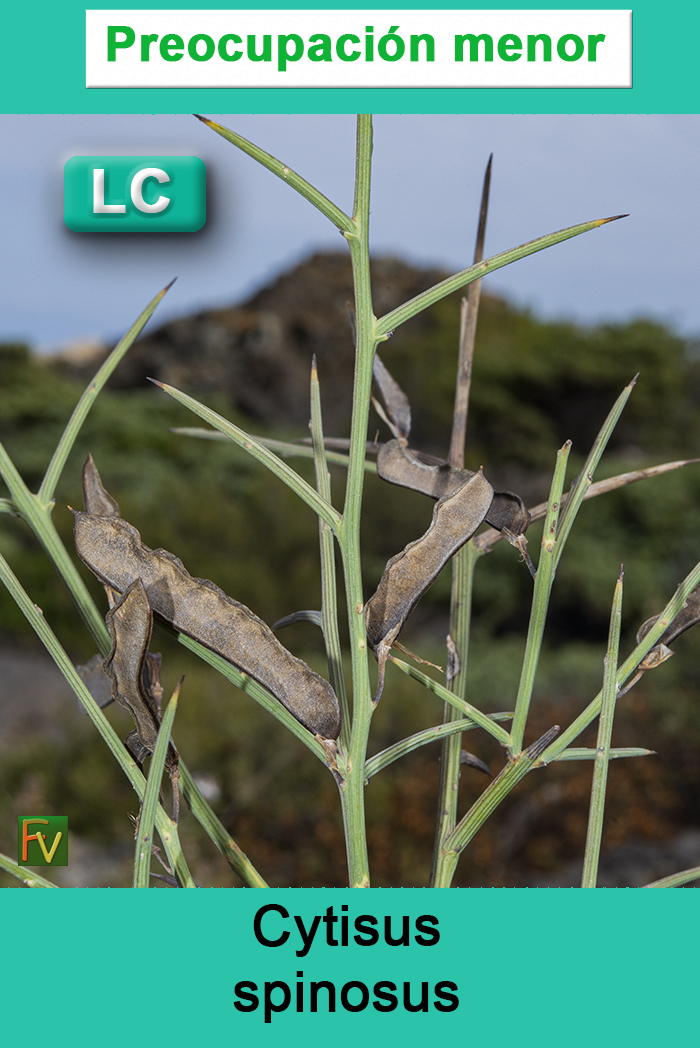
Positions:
{"x": 628, "y": 667}
{"x": 304, "y": 188}
{"x": 144, "y": 834}
{"x": 544, "y": 581}
{"x": 390, "y": 321}
{"x": 422, "y": 738}
{"x": 63, "y": 448}
{"x": 602, "y": 757}
{"x": 465, "y": 708}
{"x": 488, "y": 539}
{"x": 280, "y": 469}
{"x": 352, "y": 790}
{"x": 329, "y": 594}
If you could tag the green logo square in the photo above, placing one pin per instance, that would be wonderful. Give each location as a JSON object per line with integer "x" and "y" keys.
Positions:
{"x": 42, "y": 840}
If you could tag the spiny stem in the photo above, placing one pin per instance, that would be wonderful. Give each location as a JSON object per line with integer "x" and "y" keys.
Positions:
{"x": 463, "y": 564}
{"x": 515, "y": 770}
{"x": 540, "y": 601}
{"x": 329, "y": 594}
{"x": 352, "y": 790}
{"x": 628, "y": 667}
{"x": 450, "y": 766}
{"x": 602, "y": 757}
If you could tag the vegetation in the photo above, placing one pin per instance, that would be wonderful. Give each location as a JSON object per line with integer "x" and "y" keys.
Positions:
{"x": 535, "y": 385}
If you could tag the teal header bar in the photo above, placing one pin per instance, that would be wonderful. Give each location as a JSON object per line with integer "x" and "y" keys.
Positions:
{"x": 43, "y": 71}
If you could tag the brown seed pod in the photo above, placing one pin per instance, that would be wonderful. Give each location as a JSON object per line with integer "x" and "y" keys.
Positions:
{"x": 113, "y": 551}
{"x": 410, "y": 573}
{"x": 96, "y": 498}
{"x": 130, "y": 623}
{"x": 406, "y": 468}
{"x": 396, "y": 402}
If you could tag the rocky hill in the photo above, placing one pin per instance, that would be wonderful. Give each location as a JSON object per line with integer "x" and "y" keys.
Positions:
{"x": 259, "y": 352}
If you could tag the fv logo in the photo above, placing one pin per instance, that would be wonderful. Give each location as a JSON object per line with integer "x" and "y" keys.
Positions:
{"x": 134, "y": 194}
{"x": 42, "y": 840}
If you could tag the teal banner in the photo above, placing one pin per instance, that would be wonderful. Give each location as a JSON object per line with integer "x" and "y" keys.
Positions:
{"x": 44, "y": 71}
{"x": 312, "y": 966}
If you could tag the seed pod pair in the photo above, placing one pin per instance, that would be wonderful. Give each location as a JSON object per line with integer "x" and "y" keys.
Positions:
{"x": 400, "y": 465}
{"x": 410, "y": 573}
{"x": 465, "y": 500}
{"x": 113, "y": 551}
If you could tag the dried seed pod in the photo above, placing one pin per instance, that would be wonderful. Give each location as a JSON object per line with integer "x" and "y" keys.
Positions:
{"x": 96, "y": 681}
{"x": 135, "y": 677}
{"x": 113, "y": 551}
{"x": 96, "y": 498}
{"x": 508, "y": 513}
{"x": 130, "y": 623}
{"x": 396, "y": 402}
{"x": 435, "y": 477}
{"x": 410, "y": 573}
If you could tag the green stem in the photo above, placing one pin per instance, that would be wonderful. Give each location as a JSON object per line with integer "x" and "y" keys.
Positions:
{"x": 304, "y": 188}
{"x": 450, "y": 764}
{"x": 602, "y": 757}
{"x": 515, "y": 770}
{"x": 464, "y": 708}
{"x": 38, "y": 517}
{"x": 676, "y": 880}
{"x": 391, "y": 321}
{"x": 144, "y": 834}
{"x": 254, "y": 448}
{"x": 422, "y": 738}
{"x": 75, "y": 423}
{"x": 329, "y": 593}
{"x": 540, "y": 601}
{"x": 581, "y": 485}
{"x": 34, "y": 880}
{"x": 283, "y": 448}
{"x": 628, "y": 667}
{"x": 256, "y": 691}
{"x": 205, "y": 816}
{"x": 586, "y": 753}
{"x": 352, "y": 790}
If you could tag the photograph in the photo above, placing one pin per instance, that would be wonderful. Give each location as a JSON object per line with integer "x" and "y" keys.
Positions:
{"x": 350, "y": 483}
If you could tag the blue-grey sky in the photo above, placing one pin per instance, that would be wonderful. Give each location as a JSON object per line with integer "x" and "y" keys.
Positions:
{"x": 57, "y": 287}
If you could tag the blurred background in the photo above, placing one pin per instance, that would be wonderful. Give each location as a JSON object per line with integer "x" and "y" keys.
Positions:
{"x": 260, "y": 290}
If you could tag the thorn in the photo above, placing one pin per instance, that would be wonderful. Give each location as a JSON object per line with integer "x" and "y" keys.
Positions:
{"x": 614, "y": 218}
{"x": 473, "y": 762}
{"x": 168, "y": 286}
{"x": 204, "y": 119}
{"x": 634, "y": 380}
{"x": 156, "y": 382}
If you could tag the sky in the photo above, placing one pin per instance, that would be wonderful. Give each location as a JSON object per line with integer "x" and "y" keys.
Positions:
{"x": 58, "y": 288}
